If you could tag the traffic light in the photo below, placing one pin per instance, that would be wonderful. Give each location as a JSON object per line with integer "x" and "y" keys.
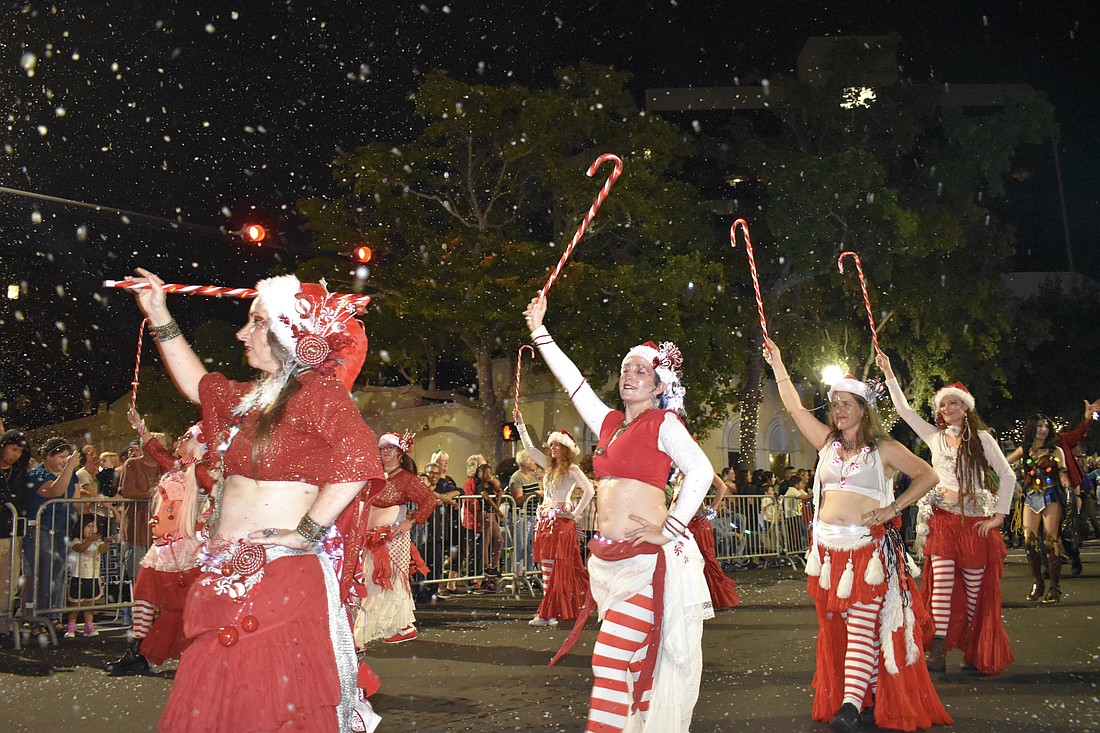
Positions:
{"x": 363, "y": 254}
{"x": 508, "y": 432}
{"x": 253, "y": 233}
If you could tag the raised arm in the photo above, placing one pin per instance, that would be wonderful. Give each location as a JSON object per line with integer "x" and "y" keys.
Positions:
{"x": 811, "y": 428}
{"x": 922, "y": 428}
{"x": 539, "y": 457}
{"x": 183, "y": 365}
{"x": 584, "y": 398}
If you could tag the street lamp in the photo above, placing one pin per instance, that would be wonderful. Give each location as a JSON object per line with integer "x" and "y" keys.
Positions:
{"x": 832, "y": 374}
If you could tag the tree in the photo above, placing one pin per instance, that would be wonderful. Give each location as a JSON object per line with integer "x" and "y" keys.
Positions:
{"x": 466, "y": 217}
{"x": 901, "y": 181}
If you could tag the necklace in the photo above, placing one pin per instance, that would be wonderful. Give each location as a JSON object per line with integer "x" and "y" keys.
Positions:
{"x": 850, "y": 445}
{"x": 600, "y": 450}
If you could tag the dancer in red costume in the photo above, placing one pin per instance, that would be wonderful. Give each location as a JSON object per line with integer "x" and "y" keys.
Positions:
{"x": 723, "y": 591}
{"x": 962, "y": 517}
{"x": 871, "y": 618}
{"x": 386, "y": 609}
{"x": 556, "y": 547}
{"x": 645, "y": 569}
{"x": 168, "y": 569}
{"x": 271, "y": 644}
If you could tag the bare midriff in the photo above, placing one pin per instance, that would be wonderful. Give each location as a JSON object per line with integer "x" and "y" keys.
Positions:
{"x": 382, "y": 516}
{"x": 844, "y": 507}
{"x": 248, "y": 505}
{"x": 622, "y": 497}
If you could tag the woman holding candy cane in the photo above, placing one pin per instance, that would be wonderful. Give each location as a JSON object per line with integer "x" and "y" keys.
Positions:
{"x": 962, "y": 517}
{"x": 869, "y": 610}
{"x": 271, "y": 646}
{"x": 645, "y": 568}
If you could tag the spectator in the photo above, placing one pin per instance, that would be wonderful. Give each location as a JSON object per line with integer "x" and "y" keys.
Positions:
{"x": 46, "y": 544}
{"x": 488, "y": 486}
{"x": 470, "y": 517}
{"x": 137, "y": 480}
{"x": 86, "y": 475}
{"x": 14, "y": 457}
{"x": 527, "y": 493}
{"x": 443, "y": 527}
{"x": 84, "y": 585}
{"x": 108, "y": 473}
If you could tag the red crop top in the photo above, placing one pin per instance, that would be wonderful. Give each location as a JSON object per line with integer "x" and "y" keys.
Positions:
{"x": 320, "y": 440}
{"x": 402, "y": 488}
{"x": 634, "y": 454}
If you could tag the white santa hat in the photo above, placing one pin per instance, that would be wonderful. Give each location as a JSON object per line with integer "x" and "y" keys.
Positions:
{"x": 957, "y": 390}
{"x": 563, "y": 438}
{"x": 667, "y": 361}
{"x": 852, "y": 385}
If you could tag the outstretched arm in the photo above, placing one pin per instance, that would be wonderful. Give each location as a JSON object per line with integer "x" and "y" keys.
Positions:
{"x": 922, "y": 428}
{"x": 183, "y": 365}
{"x": 591, "y": 409}
{"x": 811, "y": 428}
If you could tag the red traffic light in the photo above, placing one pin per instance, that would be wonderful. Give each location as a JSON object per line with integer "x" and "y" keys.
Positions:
{"x": 363, "y": 254}
{"x": 254, "y": 233}
{"x": 508, "y": 432}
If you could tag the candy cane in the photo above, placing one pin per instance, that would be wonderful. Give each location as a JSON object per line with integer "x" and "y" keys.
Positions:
{"x": 519, "y": 365}
{"x": 359, "y": 302}
{"x": 752, "y": 270}
{"x": 591, "y": 213}
{"x": 137, "y": 366}
{"x": 863, "y": 287}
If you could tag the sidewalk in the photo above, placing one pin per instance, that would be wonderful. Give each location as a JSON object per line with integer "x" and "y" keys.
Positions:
{"x": 478, "y": 666}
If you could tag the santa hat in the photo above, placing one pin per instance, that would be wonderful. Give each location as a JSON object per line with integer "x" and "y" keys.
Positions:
{"x": 852, "y": 385}
{"x": 403, "y": 442}
{"x": 563, "y": 438}
{"x": 957, "y": 390}
{"x": 319, "y": 331}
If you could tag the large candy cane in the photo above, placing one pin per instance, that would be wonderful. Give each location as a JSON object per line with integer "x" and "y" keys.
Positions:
{"x": 359, "y": 302}
{"x": 591, "y": 213}
{"x": 752, "y": 270}
{"x": 519, "y": 365}
{"x": 137, "y": 366}
{"x": 863, "y": 287}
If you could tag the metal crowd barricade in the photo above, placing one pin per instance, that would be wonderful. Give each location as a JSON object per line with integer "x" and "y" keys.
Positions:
{"x": 751, "y": 528}
{"x": 49, "y": 559}
{"x": 11, "y": 567}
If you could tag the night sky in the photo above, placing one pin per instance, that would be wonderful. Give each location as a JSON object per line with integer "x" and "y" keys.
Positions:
{"x": 217, "y": 118}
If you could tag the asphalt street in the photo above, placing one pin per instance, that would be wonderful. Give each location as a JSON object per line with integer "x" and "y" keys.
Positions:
{"x": 478, "y": 666}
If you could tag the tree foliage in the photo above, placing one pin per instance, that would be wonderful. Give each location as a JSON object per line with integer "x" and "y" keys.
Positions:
{"x": 468, "y": 216}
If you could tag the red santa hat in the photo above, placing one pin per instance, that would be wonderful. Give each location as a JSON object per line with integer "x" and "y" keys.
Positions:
{"x": 957, "y": 390}
{"x": 320, "y": 331}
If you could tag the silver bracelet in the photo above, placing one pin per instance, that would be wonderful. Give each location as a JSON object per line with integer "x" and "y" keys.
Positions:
{"x": 167, "y": 332}
{"x": 311, "y": 530}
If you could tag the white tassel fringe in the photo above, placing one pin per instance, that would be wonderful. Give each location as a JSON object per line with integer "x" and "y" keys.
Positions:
{"x": 847, "y": 578}
{"x": 825, "y": 579}
{"x": 874, "y": 574}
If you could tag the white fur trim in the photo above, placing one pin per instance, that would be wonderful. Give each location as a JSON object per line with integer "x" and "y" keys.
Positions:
{"x": 964, "y": 397}
{"x": 852, "y": 386}
{"x": 279, "y": 295}
{"x": 562, "y": 438}
{"x": 912, "y": 651}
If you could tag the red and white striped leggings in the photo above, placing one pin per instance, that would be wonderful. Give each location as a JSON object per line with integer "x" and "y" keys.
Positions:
{"x": 862, "y": 653}
{"x": 943, "y": 583}
{"x": 617, "y": 660}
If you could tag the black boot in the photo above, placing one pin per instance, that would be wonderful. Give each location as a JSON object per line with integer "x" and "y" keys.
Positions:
{"x": 1054, "y": 560}
{"x": 937, "y": 655}
{"x": 846, "y": 719}
{"x": 131, "y": 662}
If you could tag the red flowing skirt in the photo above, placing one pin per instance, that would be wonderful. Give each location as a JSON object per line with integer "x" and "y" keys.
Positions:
{"x": 903, "y": 701}
{"x": 281, "y": 677}
{"x": 168, "y": 592}
{"x": 723, "y": 592}
{"x": 984, "y": 641}
{"x": 556, "y": 539}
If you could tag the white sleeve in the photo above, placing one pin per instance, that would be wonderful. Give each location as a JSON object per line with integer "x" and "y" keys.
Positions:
{"x": 591, "y": 409}
{"x": 535, "y": 453}
{"x": 1005, "y": 474}
{"x": 923, "y": 429}
{"x": 674, "y": 439}
{"x": 587, "y": 492}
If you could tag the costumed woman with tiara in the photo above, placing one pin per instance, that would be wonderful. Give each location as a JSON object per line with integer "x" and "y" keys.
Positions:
{"x": 1045, "y": 485}
{"x": 168, "y": 568}
{"x": 870, "y": 615}
{"x": 556, "y": 547}
{"x": 645, "y": 569}
{"x": 961, "y": 519}
{"x": 386, "y": 609}
{"x": 268, "y": 618}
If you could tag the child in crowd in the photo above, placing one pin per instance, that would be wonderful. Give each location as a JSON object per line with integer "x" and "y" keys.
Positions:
{"x": 84, "y": 586}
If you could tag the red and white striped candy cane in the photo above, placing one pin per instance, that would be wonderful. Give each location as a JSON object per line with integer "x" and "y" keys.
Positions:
{"x": 591, "y": 213}
{"x": 359, "y": 302}
{"x": 863, "y": 287}
{"x": 137, "y": 366}
{"x": 752, "y": 270}
{"x": 519, "y": 365}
